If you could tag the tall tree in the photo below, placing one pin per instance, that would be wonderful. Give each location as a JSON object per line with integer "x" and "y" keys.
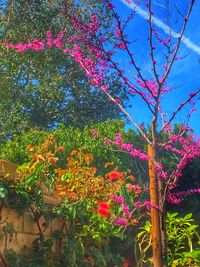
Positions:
{"x": 42, "y": 90}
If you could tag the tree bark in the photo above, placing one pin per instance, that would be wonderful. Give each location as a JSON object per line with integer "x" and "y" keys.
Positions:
{"x": 155, "y": 216}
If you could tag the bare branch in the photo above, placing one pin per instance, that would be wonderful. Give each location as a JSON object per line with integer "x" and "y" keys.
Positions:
{"x": 151, "y": 43}
{"x": 179, "y": 109}
{"x": 178, "y": 44}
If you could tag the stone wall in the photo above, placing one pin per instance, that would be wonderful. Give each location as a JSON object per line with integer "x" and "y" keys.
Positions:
{"x": 25, "y": 228}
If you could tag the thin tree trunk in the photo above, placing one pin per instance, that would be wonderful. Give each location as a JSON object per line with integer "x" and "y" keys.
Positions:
{"x": 163, "y": 238}
{"x": 155, "y": 216}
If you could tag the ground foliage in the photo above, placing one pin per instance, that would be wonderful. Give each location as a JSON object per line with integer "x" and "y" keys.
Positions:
{"x": 78, "y": 182}
{"x": 183, "y": 241}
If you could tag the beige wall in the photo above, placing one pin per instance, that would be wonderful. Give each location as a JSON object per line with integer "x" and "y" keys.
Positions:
{"x": 26, "y": 229}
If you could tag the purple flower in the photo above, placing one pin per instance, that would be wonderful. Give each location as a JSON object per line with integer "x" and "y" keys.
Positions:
{"x": 121, "y": 221}
{"x": 117, "y": 199}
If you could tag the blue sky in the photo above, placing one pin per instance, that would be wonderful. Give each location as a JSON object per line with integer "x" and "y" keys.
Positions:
{"x": 184, "y": 77}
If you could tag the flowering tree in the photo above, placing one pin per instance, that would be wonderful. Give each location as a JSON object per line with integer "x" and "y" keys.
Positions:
{"x": 97, "y": 56}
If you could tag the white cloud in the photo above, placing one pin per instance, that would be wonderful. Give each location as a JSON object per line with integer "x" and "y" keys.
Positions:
{"x": 144, "y": 14}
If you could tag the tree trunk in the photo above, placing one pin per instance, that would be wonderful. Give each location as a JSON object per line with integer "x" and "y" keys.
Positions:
{"x": 163, "y": 238}
{"x": 155, "y": 216}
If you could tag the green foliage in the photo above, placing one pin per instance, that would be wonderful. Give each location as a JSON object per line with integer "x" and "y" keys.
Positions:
{"x": 3, "y": 191}
{"x": 74, "y": 138}
{"x": 183, "y": 241}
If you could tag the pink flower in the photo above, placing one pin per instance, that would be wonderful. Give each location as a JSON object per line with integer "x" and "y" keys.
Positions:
{"x": 121, "y": 45}
{"x": 126, "y": 210}
{"x": 135, "y": 187}
{"x": 138, "y": 204}
{"x": 117, "y": 199}
{"x": 121, "y": 221}
{"x": 118, "y": 33}
{"x": 147, "y": 204}
{"x": 104, "y": 89}
{"x": 49, "y": 34}
{"x": 95, "y": 133}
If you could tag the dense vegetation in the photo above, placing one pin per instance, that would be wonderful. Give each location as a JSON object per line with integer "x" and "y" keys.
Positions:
{"x": 68, "y": 138}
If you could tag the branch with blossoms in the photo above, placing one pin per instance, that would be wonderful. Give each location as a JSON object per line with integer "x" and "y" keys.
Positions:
{"x": 182, "y": 149}
{"x": 89, "y": 51}
{"x": 100, "y": 61}
{"x": 185, "y": 149}
{"x": 181, "y": 106}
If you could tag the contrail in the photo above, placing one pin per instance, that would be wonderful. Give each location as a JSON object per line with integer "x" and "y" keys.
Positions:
{"x": 162, "y": 25}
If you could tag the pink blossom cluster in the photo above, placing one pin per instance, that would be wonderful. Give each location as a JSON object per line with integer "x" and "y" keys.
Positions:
{"x": 35, "y": 45}
{"x": 98, "y": 64}
{"x": 57, "y": 42}
{"x": 94, "y": 65}
{"x": 135, "y": 187}
{"x": 187, "y": 148}
{"x": 120, "y": 221}
{"x": 95, "y": 133}
{"x": 39, "y": 45}
{"x": 158, "y": 167}
{"x": 151, "y": 85}
{"x": 121, "y": 45}
{"x": 117, "y": 199}
{"x": 118, "y": 33}
{"x": 83, "y": 27}
{"x": 138, "y": 204}
{"x": 147, "y": 204}
{"x": 126, "y": 147}
{"x": 152, "y": 89}
{"x": 163, "y": 175}
{"x": 126, "y": 211}
{"x": 167, "y": 127}
{"x": 177, "y": 197}
{"x": 123, "y": 205}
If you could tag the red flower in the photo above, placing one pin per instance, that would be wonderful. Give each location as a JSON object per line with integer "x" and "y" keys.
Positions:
{"x": 104, "y": 205}
{"x": 104, "y": 212}
{"x": 114, "y": 175}
{"x": 126, "y": 263}
{"x": 103, "y": 209}
{"x": 97, "y": 246}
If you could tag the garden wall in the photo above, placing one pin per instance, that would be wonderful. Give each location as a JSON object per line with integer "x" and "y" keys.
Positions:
{"x": 23, "y": 229}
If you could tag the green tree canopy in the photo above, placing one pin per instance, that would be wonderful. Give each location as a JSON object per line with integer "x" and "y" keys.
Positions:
{"x": 43, "y": 89}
